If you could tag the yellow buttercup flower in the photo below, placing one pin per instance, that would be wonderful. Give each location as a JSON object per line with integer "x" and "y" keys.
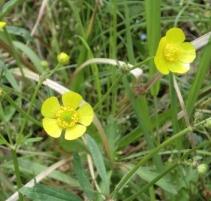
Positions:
{"x": 72, "y": 117}
{"x": 2, "y": 24}
{"x": 63, "y": 58}
{"x": 173, "y": 54}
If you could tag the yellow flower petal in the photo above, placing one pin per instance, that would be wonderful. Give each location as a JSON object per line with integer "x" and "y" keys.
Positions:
{"x": 161, "y": 47}
{"x": 71, "y": 99}
{"x": 175, "y": 35}
{"x": 86, "y": 114}
{"x": 161, "y": 65}
{"x": 188, "y": 53}
{"x": 51, "y": 127}
{"x": 2, "y": 24}
{"x": 173, "y": 54}
{"x": 179, "y": 68}
{"x": 50, "y": 106}
{"x": 159, "y": 58}
{"x": 74, "y": 132}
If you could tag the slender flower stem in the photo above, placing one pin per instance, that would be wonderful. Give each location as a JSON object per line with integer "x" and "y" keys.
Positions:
{"x": 17, "y": 171}
{"x": 181, "y": 101}
{"x": 13, "y": 51}
{"x": 13, "y": 103}
{"x": 144, "y": 188}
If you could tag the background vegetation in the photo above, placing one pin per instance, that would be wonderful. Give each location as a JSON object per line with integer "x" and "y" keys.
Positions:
{"x": 141, "y": 147}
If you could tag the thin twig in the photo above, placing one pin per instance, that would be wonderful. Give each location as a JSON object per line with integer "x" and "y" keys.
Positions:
{"x": 40, "y": 15}
{"x": 181, "y": 101}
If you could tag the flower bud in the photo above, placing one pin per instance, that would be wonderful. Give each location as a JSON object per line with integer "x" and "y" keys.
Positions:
{"x": 63, "y": 58}
{"x": 208, "y": 123}
{"x": 44, "y": 64}
{"x": 202, "y": 168}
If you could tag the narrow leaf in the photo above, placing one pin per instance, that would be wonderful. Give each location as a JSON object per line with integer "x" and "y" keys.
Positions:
{"x": 82, "y": 177}
{"x": 42, "y": 192}
{"x": 98, "y": 159}
{"x": 203, "y": 68}
{"x": 8, "y": 6}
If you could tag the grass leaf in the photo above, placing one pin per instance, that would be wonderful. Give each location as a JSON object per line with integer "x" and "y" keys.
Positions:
{"x": 203, "y": 67}
{"x": 8, "y": 7}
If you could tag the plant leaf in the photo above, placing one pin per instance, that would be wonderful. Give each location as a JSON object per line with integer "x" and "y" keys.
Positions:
{"x": 82, "y": 177}
{"x": 98, "y": 160}
{"x": 30, "y": 54}
{"x": 41, "y": 192}
{"x": 8, "y": 6}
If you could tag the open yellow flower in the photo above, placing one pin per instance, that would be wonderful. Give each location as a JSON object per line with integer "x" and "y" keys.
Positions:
{"x": 173, "y": 54}
{"x": 72, "y": 117}
{"x": 2, "y": 24}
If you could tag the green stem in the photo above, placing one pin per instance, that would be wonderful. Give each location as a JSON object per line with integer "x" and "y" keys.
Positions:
{"x": 17, "y": 171}
{"x": 113, "y": 54}
{"x": 10, "y": 100}
{"x": 173, "y": 105}
{"x": 174, "y": 108}
{"x": 156, "y": 119}
{"x": 156, "y": 179}
{"x": 152, "y": 193}
{"x": 30, "y": 106}
{"x": 39, "y": 84}
{"x": 13, "y": 50}
{"x": 141, "y": 109}
{"x": 153, "y": 15}
{"x": 154, "y": 151}
{"x": 114, "y": 84}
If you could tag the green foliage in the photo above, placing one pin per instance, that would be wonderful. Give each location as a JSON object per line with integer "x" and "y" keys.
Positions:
{"x": 203, "y": 67}
{"x": 82, "y": 178}
{"x": 8, "y": 7}
{"x": 42, "y": 192}
{"x": 140, "y": 146}
{"x": 98, "y": 161}
{"x": 153, "y": 15}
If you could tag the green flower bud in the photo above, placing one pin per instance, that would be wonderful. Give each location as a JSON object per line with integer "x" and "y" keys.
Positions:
{"x": 44, "y": 64}
{"x": 202, "y": 168}
{"x": 208, "y": 123}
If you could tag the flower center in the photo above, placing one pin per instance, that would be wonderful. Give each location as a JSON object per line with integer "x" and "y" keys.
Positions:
{"x": 67, "y": 117}
{"x": 171, "y": 52}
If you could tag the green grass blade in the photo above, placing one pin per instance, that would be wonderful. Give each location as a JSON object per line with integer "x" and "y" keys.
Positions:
{"x": 8, "y": 7}
{"x": 141, "y": 109}
{"x": 152, "y": 15}
{"x": 129, "y": 138}
{"x": 129, "y": 40}
{"x": 203, "y": 68}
